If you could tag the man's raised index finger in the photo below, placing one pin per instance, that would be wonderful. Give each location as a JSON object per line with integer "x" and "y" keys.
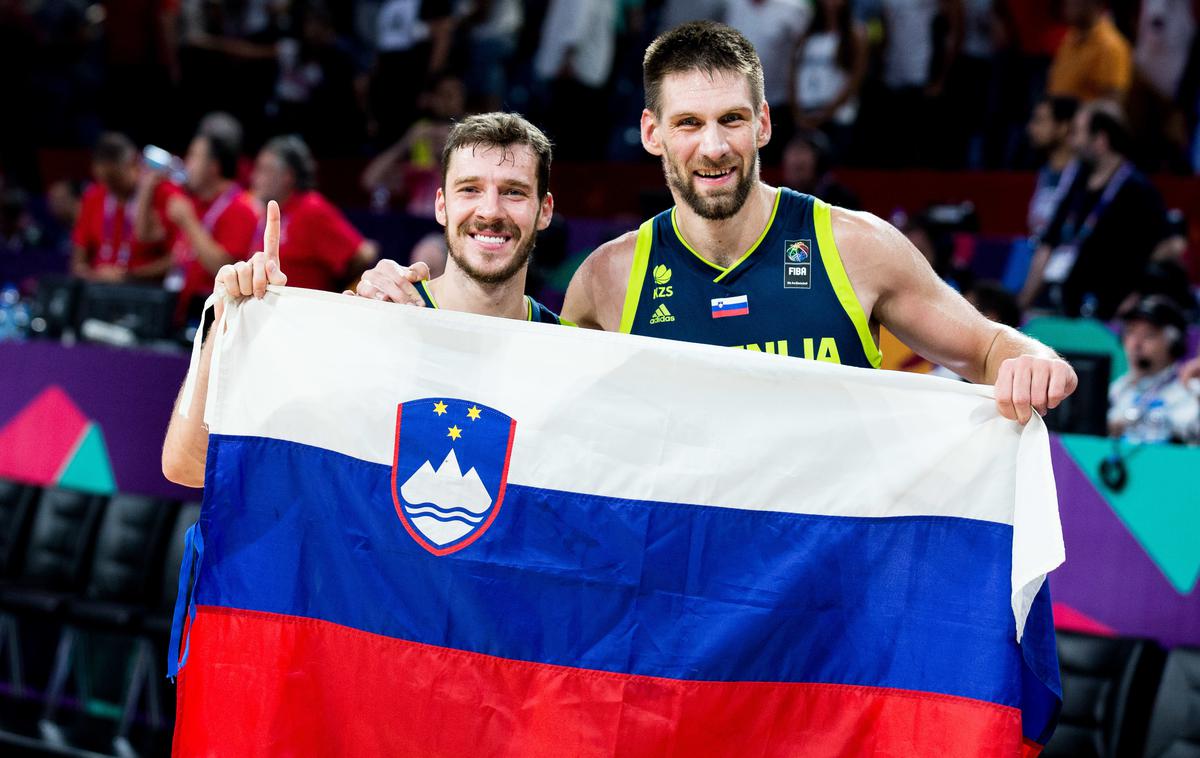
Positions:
{"x": 271, "y": 234}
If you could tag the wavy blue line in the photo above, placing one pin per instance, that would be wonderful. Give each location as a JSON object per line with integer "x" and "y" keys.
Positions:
{"x": 440, "y": 509}
{"x": 436, "y": 517}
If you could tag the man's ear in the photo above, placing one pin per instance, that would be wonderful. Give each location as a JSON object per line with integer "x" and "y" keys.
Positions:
{"x": 651, "y": 134}
{"x": 546, "y": 212}
{"x": 439, "y": 206}
{"x": 764, "y": 125}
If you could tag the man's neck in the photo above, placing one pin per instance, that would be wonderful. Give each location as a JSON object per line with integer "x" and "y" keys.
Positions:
{"x": 1059, "y": 157}
{"x": 1103, "y": 171}
{"x": 213, "y": 190}
{"x": 455, "y": 291}
{"x": 724, "y": 241}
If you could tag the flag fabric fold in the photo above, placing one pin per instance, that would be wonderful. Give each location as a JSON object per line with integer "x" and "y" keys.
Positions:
{"x": 437, "y": 533}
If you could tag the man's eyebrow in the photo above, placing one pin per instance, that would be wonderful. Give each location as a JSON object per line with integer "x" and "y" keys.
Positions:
{"x": 518, "y": 183}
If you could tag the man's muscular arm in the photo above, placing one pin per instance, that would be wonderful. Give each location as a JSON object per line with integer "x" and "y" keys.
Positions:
{"x": 899, "y": 289}
{"x": 596, "y": 294}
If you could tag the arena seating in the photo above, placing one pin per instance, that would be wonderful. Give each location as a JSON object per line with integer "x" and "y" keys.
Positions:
{"x": 73, "y": 565}
{"x": 1175, "y": 725}
{"x": 1108, "y": 688}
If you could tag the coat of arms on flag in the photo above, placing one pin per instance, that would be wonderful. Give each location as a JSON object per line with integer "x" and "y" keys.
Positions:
{"x": 442, "y": 506}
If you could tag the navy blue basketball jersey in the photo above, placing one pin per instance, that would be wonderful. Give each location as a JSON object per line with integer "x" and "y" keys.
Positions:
{"x": 534, "y": 310}
{"x": 787, "y": 295}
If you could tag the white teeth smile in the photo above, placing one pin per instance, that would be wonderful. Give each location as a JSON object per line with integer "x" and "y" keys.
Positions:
{"x": 490, "y": 240}
{"x": 713, "y": 174}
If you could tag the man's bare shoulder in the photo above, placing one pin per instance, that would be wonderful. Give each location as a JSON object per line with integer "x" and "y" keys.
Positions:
{"x": 596, "y": 294}
{"x": 875, "y": 254}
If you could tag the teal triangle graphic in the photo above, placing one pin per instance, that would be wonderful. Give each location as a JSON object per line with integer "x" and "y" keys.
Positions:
{"x": 89, "y": 469}
{"x": 1160, "y": 506}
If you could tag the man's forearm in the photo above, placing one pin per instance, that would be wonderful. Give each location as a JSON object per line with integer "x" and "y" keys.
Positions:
{"x": 185, "y": 449}
{"x": 210, "y": 253}
{"x": 1009, "y": 343}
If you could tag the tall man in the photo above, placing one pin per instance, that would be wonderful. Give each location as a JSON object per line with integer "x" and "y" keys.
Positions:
{"x": 493, "y": 201}
{"x": 740, "y": 263}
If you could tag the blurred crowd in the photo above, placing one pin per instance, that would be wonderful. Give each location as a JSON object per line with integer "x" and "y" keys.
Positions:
{"x": 198, "y": 112}
{"x": 930, "y": 83}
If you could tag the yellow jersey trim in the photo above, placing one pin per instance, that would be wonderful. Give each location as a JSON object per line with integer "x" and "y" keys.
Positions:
{"x": 428, "y": 292}
{"x": 637, "y": 275}
{"x": 832, "y": 260}
{"x": 528, "y": 301}
{"x": 726, "y": 270}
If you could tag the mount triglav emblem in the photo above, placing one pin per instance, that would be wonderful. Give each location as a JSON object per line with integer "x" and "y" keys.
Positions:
{"x": 444, "y": 508}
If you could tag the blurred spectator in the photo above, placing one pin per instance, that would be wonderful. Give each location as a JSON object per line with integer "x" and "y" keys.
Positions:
{"x": 1151, "y": 403}
{"x": 1105, "y": 227}
{"x": 317, "y": 77}
{"x": 105, "y": 247}
{"x": 1028, "y": 32}
{"x": 228, "y": 129}
{"x": 808, "y": 168}
{"x": 773, "y": 27}
{"x": 18, "y": 230}
{"x": 1049, "y": 133}
{"x": 676, "y": 12}
{"x": 829, "y": 63}
{"x": 1094, "y": 60}
{"x": 141, "y": 65}
{"x": 970, "y": 101}
{"x": 994, "y": 302}
{"x": 411, "y": 169}
{"x": 573, "y": 61}
{"x": 216, "y": 222}
{"x": 1165, "y": 34}
{"x": 918, "y": 53}
{"x": 412, "y": 42}
{"x": 432, "y": 251}
{"x": 62, "y": 200}
{"x": 493, "y": 29}
{"x": 318, "y": 248}
{"x": 936, "y": 245}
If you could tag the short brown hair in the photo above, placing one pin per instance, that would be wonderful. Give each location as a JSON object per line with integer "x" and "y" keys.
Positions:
{"x": 113, "y": 147}
{"x": 502, "y": 130}
{"x": 700, "y": 46}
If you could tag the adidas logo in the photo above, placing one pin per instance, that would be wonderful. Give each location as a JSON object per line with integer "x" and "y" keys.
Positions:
{"x": 661, "y": 315}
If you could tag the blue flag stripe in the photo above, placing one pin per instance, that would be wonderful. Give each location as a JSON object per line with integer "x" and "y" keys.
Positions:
{"x": 656, "y": 589}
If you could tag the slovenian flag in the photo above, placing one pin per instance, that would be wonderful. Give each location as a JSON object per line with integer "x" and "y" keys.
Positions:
{"x": 730, "y": 306}
{"x": 432, "y": 533}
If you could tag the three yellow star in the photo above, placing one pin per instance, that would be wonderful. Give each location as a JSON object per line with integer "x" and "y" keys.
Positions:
{"x": 473, "y": 413}
{"x": 439, "y": 407}
{"x": 454, "y": 432}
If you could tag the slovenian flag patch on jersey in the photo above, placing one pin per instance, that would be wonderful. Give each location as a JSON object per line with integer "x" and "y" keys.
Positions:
{"x": 730, "y": 306}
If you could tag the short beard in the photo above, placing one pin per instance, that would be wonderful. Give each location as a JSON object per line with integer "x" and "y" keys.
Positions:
{"x": 519, "y": 260}
{"x": 716, "y": 208}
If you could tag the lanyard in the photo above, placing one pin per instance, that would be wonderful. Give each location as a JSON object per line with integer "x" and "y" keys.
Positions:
{"x": 1115, "y": 182}
{"x": 107, "y": 231}
{"x": 1144, "y": 399}
{"x": 218, "y": 207}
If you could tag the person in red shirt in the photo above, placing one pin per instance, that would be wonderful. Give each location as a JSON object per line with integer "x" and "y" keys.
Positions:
{"x": 323, "y": 250}
{"x": 105, "y": 246}
{"x": 216, "y": 222}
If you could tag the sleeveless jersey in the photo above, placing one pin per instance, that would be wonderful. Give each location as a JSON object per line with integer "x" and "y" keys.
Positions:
{"x": 534, "y": 310}
{"x": 787, "y": 295}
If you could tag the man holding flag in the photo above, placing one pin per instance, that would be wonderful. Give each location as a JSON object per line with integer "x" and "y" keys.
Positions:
{"x": 495, "y": 198}
{"x": 740, "y": 263}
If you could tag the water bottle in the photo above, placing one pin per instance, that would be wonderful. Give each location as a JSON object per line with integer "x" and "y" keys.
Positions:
{"x": 8, "y": 326}
{"x": 157, "y": 159}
